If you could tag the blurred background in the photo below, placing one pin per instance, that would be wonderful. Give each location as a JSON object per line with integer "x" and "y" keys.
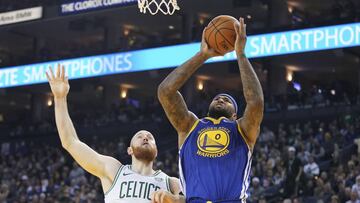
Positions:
{"x": 312, "y": 100}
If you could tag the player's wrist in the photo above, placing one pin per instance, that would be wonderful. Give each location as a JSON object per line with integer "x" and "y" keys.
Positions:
{"x": 241, "y": 54}
{"x": 202, "y": 55}
{"x": 58, "y": 99}
{"x": 177, "y": 199}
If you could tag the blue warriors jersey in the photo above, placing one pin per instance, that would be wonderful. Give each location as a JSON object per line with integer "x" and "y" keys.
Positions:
{"x": 215, "y": 162}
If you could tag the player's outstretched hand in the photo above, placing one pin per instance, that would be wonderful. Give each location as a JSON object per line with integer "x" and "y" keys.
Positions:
{"x": 162, "y": 196}
{"x": 240, "y": 28}
{"x": 59, "y": 83}
{"x": 206, "y": 51}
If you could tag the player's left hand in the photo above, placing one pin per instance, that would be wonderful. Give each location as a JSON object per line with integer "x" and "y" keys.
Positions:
{"x": 162, "y": 196}
{"x": 240, "y": 29}
{"x": 206, "y": 50}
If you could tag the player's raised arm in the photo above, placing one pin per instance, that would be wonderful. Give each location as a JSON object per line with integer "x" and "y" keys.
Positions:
{"x": 99, "y": 165}
{"x": 171, "y": 99}
{"x": 253, "y": 115}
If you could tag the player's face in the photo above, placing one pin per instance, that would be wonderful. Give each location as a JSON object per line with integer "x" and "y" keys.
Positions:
{"x": 222, "y": 106}
{"x": 143, "y": 146}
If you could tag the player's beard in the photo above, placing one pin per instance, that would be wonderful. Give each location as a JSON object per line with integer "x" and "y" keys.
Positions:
{"x": 219, "y": 112}
{"x": 146, "y": 154}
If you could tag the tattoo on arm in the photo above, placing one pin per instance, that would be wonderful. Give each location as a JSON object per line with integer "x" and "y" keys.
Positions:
{"x": 171, "y": 99}
{"x": 254, "y": 97}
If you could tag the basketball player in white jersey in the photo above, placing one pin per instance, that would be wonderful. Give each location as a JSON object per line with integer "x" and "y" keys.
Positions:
{"x": 133, "y": 183}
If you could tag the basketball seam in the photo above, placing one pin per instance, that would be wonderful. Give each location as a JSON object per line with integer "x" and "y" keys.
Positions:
{"x": 220, "y": 23}
{"x": 208, "y": 38}
{"x": 228, "y": 29}
{"x": 215, "y": 38}
{"x": 225, "y": 37}
{"x": 218, "y": 31}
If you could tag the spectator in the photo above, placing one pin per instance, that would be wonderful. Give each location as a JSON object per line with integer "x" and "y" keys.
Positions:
{"x": 335, "y": 199}
{"x": 255, "y": 190}
{"x": 293, "y": 173}
{"x": 267, "y": 135}
{"x": 311, "y": 169}
{"x": 4, "y": 192}
{"x": 356, "y": 187}
{"x": 353, "y": 198}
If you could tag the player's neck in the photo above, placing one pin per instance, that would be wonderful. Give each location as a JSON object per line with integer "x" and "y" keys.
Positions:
{"x": 142, "y": 168}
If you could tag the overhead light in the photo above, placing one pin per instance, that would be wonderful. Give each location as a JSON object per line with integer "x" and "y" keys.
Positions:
{"x": 297, "y": 86}
{"x": 249, "y": 16}
{"x": 123, "y": 93}
{"x": 100, "y": 88}
{"x": 203, "y": 77}
{"x": 290, "y": 9}
{"x": 49, "y": 102}
{"x": 202, "y": 21}
{"x": 127, "y": 86}
{"x": 200, "y": 85}
{"x": 333, "y": 92}
{"x": 131, "y": 42}
{"x": 289, "y": 76}
{"x": 203, "y": 17}
{"x": 171, "y": 27}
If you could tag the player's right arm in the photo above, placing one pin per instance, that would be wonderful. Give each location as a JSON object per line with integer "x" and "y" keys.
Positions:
{"x": 99, "y": 165}
{"x": 171, "y": 99}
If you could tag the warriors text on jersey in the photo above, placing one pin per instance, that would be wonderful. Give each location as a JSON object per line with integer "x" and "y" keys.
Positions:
{"x": 131, "y": 187}
{"x": 215, "y": 162}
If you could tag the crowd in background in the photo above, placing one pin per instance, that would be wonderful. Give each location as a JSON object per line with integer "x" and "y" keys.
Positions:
{"x": 131, "y": 111}
{"x": 305, "y": 161}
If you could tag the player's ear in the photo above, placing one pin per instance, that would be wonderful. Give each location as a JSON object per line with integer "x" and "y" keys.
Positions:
{"x": 130, "y": 151}
{"x": 234, "y": 117}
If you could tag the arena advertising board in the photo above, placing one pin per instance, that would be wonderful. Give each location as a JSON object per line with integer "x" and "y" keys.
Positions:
{"x": 263, "y": 45}
{"x": 21, "y": 15}
{"x": 88, "y": 5}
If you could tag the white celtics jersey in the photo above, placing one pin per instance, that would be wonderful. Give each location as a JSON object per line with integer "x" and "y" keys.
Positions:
{"x": 131, "y": 187}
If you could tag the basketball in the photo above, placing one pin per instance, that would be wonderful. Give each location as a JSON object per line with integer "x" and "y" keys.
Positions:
{"x": 220, "y": 34}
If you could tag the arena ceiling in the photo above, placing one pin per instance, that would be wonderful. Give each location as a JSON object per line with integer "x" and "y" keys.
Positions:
{"x": 90, "y": 33}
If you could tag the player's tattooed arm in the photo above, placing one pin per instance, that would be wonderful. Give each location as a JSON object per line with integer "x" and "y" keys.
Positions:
{"x": 253, "y": 115}
{"x": 171, "y": 99}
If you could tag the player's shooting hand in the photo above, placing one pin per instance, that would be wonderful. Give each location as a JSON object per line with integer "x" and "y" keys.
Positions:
{"x": 206, "y": 51}
{"x": 59, "y": 83}
{"x": 240, "y": 29}
{"x": 162, "y": 196}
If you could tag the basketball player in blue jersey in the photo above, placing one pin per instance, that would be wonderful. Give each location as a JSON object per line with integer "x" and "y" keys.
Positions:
{"x": 215, "y": 152}
{"x": 133, "y": 183}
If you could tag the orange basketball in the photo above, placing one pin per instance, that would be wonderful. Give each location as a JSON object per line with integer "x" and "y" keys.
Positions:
{"x": 220, "y": 34}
